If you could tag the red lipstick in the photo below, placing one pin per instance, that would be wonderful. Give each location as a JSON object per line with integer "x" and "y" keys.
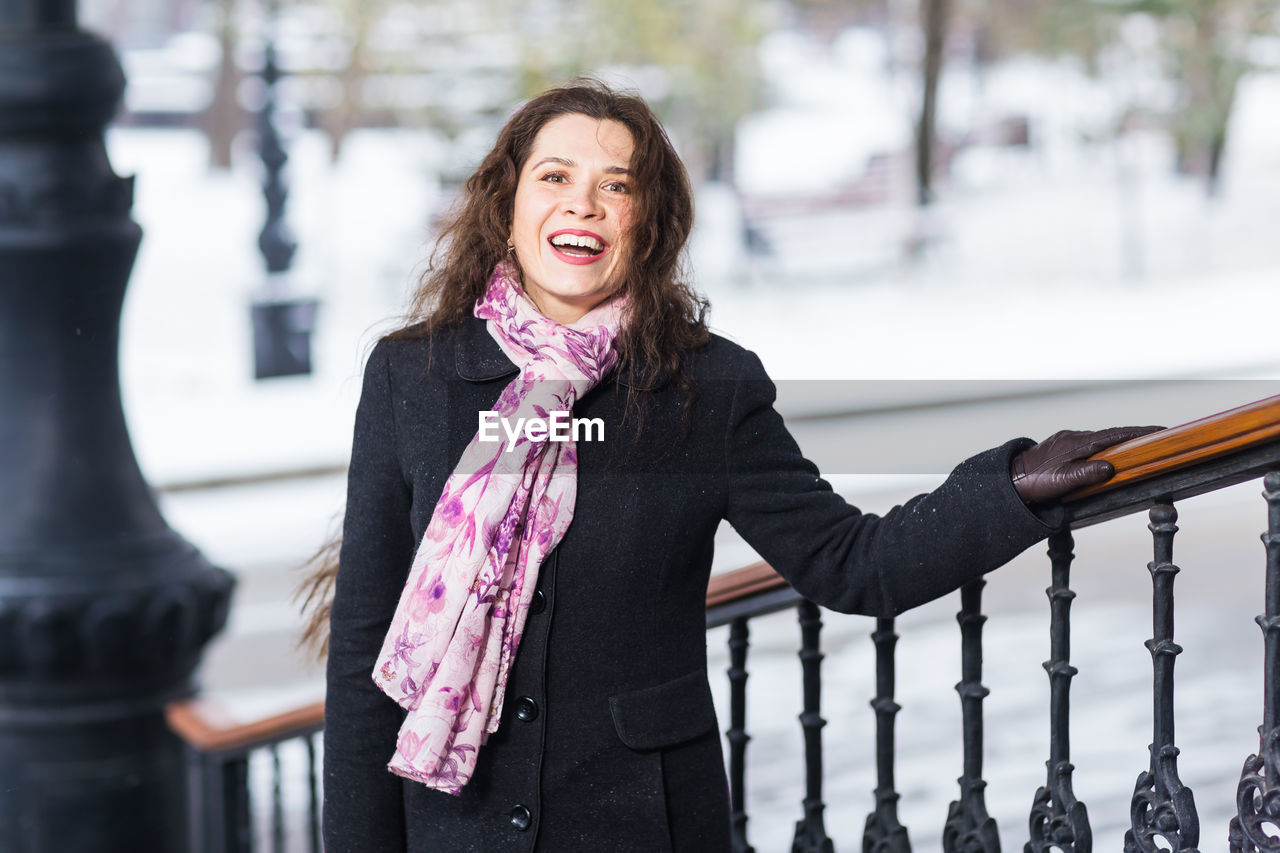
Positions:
{"x": 578, "y": 260}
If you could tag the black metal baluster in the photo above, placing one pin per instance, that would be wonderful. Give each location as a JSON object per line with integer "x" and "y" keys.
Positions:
{"x": 1162, "y": 807}
{"x": 208, "y": 792}
{"x": 1258, "y": 795}
{"x": 313, "y": 791}
{"x": 969, "y": 828}
{"x": 883, "y": 832}
{"x": 235, "y": 831}
{"x": 811, "y": 835}
{"x": 1058, "y": 821}
{"x": 739, "y": 634}
{"x": 277, "y": 802}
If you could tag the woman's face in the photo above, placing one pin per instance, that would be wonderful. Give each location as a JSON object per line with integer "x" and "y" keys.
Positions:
{"x": 571, "y": 212}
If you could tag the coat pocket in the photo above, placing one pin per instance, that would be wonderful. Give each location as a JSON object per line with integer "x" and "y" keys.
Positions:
{"x": 666, "y": 714}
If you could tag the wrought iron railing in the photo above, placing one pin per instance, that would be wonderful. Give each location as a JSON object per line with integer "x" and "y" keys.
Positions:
{"x": 221, "y": 751}
{"x": 1154, "y": 474}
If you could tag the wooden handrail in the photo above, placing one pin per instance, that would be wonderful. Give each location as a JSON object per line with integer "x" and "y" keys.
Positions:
{"x": 1178, "y": 447}
{"x": 209, "y": 728}
{"x": 742, "y": 583}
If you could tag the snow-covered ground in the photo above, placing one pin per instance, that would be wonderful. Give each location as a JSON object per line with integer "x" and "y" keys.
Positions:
{"x": 1058, "y": 262}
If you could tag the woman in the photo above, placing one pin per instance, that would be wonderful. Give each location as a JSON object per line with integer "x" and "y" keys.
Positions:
{"x": 517, "y": 628}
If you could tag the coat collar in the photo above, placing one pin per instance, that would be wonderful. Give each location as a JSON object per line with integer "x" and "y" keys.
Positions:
{"x": 478, "y": 358}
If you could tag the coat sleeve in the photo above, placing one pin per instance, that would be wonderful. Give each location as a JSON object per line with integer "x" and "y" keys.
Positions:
{"x": 856, "y": 562}
{"x": 363, "y": 801}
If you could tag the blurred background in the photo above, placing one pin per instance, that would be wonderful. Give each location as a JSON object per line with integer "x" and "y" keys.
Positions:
{"x": 1070, "y": 203}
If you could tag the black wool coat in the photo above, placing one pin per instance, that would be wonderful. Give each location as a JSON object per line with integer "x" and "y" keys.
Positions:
{"x": 608, "y": 739}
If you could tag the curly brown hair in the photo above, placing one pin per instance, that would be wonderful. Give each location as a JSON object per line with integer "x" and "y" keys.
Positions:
{"x": 666, "y": 317}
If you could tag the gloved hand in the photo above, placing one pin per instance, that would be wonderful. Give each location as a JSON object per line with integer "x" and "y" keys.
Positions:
{"x": 1056, "y": 465}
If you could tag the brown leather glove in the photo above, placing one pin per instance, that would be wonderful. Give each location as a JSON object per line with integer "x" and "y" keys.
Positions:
{"x": 1056, "y": 465}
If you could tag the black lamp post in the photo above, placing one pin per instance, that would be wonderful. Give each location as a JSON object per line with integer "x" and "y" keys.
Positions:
{"x": 104, "y": 609}
{"x": 282, "y": 320}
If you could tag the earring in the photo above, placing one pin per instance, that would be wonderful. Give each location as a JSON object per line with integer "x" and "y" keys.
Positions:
{"x": 511, "y": 247}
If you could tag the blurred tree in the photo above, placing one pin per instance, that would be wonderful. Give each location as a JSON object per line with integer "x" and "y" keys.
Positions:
{"x": 828, "y": 17}
{"x": 692, "y": 59}
{"x": 934, "y": 20}
{"x": 224, "y": 117}
{"x": 346, "y": 107}
{"x": 1079, "y": 27}
{"x": 1208, "y": 43}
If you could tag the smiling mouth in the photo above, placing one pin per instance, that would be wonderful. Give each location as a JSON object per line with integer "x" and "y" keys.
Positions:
{"x": 577, "y": 245}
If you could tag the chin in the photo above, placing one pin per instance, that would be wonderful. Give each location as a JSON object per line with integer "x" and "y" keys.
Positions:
{"x": 578, "y": 291}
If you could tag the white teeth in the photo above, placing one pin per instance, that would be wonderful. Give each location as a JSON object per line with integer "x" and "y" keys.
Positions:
{"x": 580, "y": 241}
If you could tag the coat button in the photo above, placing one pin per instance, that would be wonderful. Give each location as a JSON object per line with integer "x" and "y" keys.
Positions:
{"x": 526, "y": 709}
{"x": 539, "y": 603}
{"x": 521, "y": 818}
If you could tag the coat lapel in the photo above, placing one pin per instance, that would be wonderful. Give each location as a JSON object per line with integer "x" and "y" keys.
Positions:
{"x": 478, "y": 356}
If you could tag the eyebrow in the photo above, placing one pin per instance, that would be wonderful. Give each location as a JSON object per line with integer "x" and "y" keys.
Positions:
{"x": 564, "y": 161}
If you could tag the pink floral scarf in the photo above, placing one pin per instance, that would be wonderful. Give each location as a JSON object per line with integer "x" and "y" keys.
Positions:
{"x": 456, "y": 628}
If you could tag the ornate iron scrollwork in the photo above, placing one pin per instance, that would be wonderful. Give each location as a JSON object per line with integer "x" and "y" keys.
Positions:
{"x": 1058, "y": 821}
{"x": 1257, "y": 801}
{"x": 1162, "y": 807}
{"x": 969, "y": 829}
{"x": 1258, "y": 795}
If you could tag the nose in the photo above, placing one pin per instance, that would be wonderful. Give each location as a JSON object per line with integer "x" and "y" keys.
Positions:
{"x": 584, "y": 202}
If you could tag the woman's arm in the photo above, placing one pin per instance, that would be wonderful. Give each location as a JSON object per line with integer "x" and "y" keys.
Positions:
{"x": 857, "y": 562}
{"x": 363, "y": 801}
